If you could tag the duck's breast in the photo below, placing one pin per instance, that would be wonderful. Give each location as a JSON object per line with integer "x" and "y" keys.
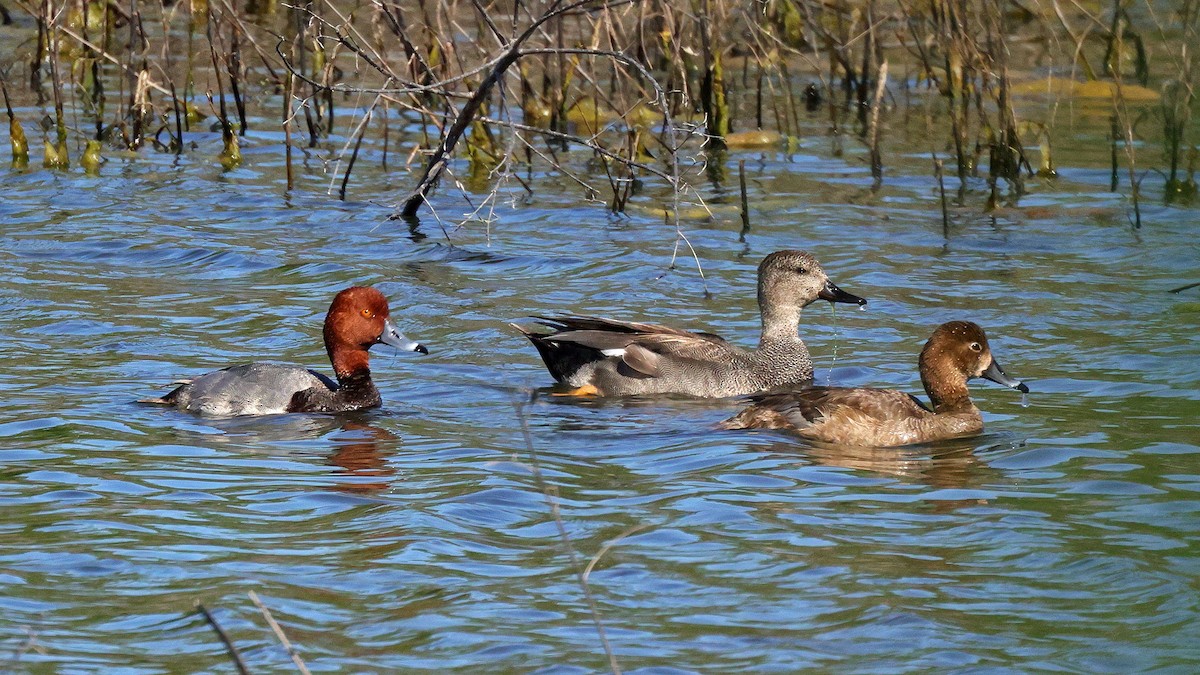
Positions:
{"x": 779, "y": 364}
{"x": 249, "y": 389}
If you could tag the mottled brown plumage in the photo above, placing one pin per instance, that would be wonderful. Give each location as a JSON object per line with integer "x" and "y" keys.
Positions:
{"x": 609, "y": 357}
{"x": 957, "y": 352}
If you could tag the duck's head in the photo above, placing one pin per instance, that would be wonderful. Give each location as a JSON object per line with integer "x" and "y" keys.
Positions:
{"x": 796, "y": 278}
{"x": 959, "y": 350}
{"x": 358, "y": 319}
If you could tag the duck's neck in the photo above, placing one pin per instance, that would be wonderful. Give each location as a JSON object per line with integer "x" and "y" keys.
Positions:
{"x": 352, "y": 368}
{"x": 358, "y": 391}
{"x": 947, "y": 394}
{"x": 348, "y": 360}
{"x": 779, "y": 325}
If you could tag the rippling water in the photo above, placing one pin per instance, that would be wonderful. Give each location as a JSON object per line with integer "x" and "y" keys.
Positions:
{"x": 422, "y": 535}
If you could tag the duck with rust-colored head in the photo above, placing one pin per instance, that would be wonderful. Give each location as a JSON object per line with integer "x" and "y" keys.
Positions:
{"x": 357, "y": 319}
{"x": 606, "y": 357}
{"x": 957, "y": 352}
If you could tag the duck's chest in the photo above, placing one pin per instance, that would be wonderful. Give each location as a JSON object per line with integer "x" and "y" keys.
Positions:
{"x": 781, "y": 365}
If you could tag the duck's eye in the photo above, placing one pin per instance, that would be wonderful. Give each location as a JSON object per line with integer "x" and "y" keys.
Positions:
{"x": 368, "y": 313}
{"x": 976, "y": 347}
{"x": 801, "y": 270}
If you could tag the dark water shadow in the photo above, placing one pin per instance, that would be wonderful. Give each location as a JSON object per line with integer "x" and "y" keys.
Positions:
{"x": 554, "y": 395}
{"x": 666, "y": 405}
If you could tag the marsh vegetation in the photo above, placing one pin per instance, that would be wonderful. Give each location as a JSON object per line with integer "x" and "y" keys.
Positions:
{"x": 480, "y": 96}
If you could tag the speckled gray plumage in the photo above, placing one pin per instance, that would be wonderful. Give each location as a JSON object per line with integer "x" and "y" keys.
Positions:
{"x": 628, "y": 358}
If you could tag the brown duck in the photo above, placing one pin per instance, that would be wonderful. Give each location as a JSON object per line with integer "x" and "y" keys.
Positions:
{"x": 957, "y": 352}
{"x": 606, "y": 357}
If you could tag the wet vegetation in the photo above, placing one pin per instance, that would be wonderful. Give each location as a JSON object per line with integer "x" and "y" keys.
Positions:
{"x": 489, "y": 95}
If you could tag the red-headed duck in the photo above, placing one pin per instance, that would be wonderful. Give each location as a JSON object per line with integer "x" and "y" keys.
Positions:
{"x": 957, "y": 352}
{"x": 357, "y": 319}
{"x": 605, "y": 357}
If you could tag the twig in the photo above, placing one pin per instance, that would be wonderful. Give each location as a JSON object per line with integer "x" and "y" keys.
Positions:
{"x": 288, "y": 114}
{"x": 30, "y": 642}
{"x": 587, "y": 571}
{"x": 99, "y": 49}
{"x": 287, "y": 644}
{"x": 873, "y": 133}
{"x": 437, "y": 162}
{"x": 566, "y": 539}
{"x": 745, "y": 200}
{"x": 937, "y": 171}
{"x": 1114, "y": 178}
{"x": 1134, "y": 183}
{"x": 356, "y": 137}
{"x": 229, "y": 647}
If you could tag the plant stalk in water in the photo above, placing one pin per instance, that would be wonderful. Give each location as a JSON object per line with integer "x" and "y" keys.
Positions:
{"x": 16, "y": 134}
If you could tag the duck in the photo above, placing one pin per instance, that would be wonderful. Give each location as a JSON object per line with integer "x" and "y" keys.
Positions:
{"x": 607, "y": 357}
{"x": 358, "y": 318}
{"x": 957, "y": 352}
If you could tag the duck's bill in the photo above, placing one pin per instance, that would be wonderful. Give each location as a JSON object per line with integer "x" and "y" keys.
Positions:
{"x": 996, "y": 374}
{"x": 834, "y": 294}
{"x": 394, "y": 338}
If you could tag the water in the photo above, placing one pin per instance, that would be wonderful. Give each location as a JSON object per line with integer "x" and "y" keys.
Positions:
{"x": 419, "y": 536}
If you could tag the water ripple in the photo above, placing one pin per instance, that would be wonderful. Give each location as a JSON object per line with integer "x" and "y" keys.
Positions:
{"x": 426, "y": 535}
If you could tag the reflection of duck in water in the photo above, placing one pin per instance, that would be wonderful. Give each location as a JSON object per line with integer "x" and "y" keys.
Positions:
{"x": 950, "y": 464}
{"x": 957, "y": 352}
{"x": 605, "y": 357}
{"x": 355, "y": 448}
{"x": 955, "y": 473}
{"x": 359, "y": 453}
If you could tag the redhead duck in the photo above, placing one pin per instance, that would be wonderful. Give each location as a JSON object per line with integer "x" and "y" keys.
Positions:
{"x": 605, "y": 357}
{"x": 957, "y": 352}
{"x": 357, "y": 319}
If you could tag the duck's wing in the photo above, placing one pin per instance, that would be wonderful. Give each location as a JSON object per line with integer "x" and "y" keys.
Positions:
{"x": 568, "y": 324}
{"x": 640, "y": 345}
{"x": 815, "y": 404}
{"x": 246, "y": 389}
{"x": 810, "y": 406}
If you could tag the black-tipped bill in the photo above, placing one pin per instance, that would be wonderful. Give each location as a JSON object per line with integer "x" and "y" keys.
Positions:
{"x": 834, "y": 294}
{"x": 996, "y": 374}
{"x": 391, "y": 336}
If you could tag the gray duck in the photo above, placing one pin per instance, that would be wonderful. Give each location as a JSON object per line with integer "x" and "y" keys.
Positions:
{"x": 607, "y": 357}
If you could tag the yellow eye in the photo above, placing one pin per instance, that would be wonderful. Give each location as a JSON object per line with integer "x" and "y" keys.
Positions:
{"x": 368, "y": 313}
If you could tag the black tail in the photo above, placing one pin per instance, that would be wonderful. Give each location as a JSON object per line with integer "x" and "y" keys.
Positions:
{"x": 562, "y": 359}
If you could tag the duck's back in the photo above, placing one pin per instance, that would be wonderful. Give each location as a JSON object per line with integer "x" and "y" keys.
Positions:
{"x": 248, "y": 389}
{"x": 867, "y": 417}
{"x": 628, "y": 358}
